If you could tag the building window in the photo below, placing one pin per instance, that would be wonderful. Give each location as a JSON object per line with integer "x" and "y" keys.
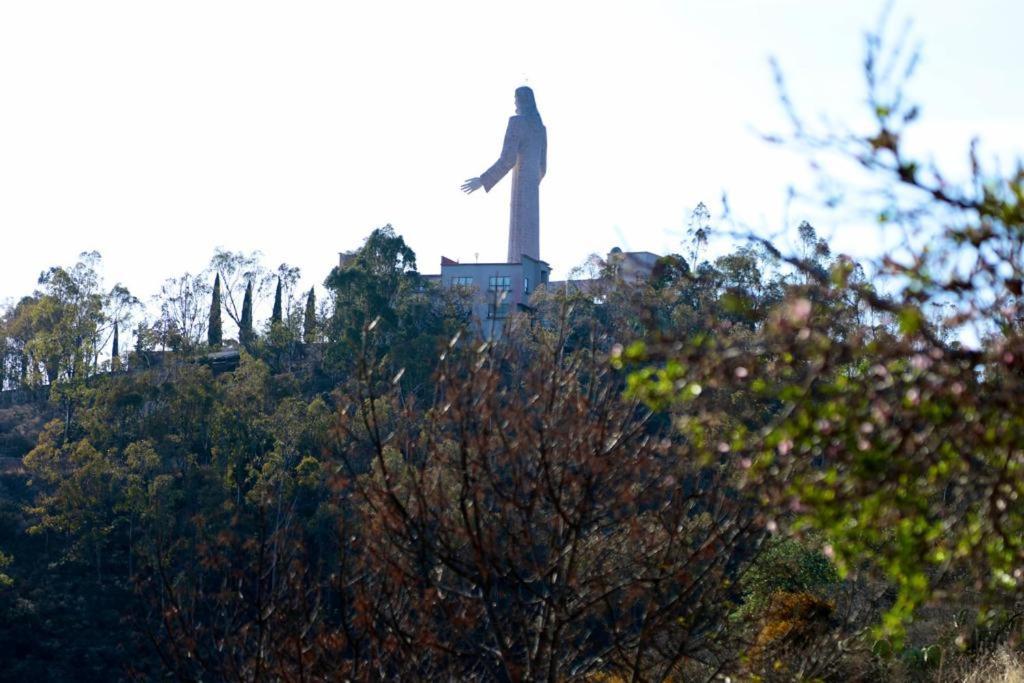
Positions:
{"x": 526, "y": 285}
{"x": 499, "y": 287}
{"x": 499, "y": 283}
{"x": 462, "y": 281}
{"x": 543, "y": 276}
{"x": 497, "y": 310}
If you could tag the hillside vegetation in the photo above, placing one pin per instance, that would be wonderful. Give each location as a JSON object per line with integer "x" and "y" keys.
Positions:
{"x": 767, "y": 465}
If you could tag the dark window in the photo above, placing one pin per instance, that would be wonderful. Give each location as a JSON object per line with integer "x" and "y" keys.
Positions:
{"x": 497, "y": 310}
{"x": 499, "y": 287}
{"x": 499, "y": 283}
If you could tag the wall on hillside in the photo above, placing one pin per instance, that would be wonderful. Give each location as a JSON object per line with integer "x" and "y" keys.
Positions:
{"x": 17, "y": 397}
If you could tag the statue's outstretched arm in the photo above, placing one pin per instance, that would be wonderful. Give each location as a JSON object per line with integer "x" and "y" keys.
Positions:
{"x": 506, "y": 161}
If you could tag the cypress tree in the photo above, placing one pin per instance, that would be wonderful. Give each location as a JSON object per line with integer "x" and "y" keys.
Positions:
{"x": 115, "y": 356}
{"x": 309, "y": 322}
{"x": 245, "y": 335}
{"x": 276, "y": 316}
{"x": 214, "y": 334}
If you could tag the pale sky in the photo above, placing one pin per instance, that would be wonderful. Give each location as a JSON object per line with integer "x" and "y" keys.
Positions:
{"x": 155, "y": 132}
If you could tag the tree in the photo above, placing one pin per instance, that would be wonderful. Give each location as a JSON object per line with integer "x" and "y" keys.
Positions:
{"x": 185, "y": 314}
{"x": 372, "y": 283}
{"x": 669, "y": 270}
{"x": 309, "y": 322}
{"x": 120, "y": 306}
{"x": 83, "y": 487}
{"x": 67, "y": 318}
{"x": 240, "y": 272}
{"x": 899, "y": 442}
{"x": 246, "y": 335}
{"x": 530, "y": 524}
{"x": 60, "y": 332}
{"x": 276, "y": 315}
{"x": 215, "y": 336}
{"x": 19, "y": 368}
{"x": 378, "y": 286}
{"x": 699, "y": 232}
{"x": 115, "y": 351}
{"x": 287, "y": 278}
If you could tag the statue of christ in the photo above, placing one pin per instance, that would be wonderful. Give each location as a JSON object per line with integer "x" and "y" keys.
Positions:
{"x": 525, "y": 153}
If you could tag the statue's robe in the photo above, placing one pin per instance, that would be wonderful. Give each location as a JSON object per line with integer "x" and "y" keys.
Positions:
{"x": 525, "y": 152}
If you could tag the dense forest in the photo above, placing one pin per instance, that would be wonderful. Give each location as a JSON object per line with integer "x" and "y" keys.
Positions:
{"x": 766, "y": 465}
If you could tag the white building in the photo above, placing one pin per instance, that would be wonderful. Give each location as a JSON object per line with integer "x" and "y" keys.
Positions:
{"x": 497, "y": 289}
{"x": 500, "y": 289}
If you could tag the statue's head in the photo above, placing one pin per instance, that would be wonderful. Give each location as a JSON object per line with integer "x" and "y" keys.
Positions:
{"x": 526, "y": 105}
